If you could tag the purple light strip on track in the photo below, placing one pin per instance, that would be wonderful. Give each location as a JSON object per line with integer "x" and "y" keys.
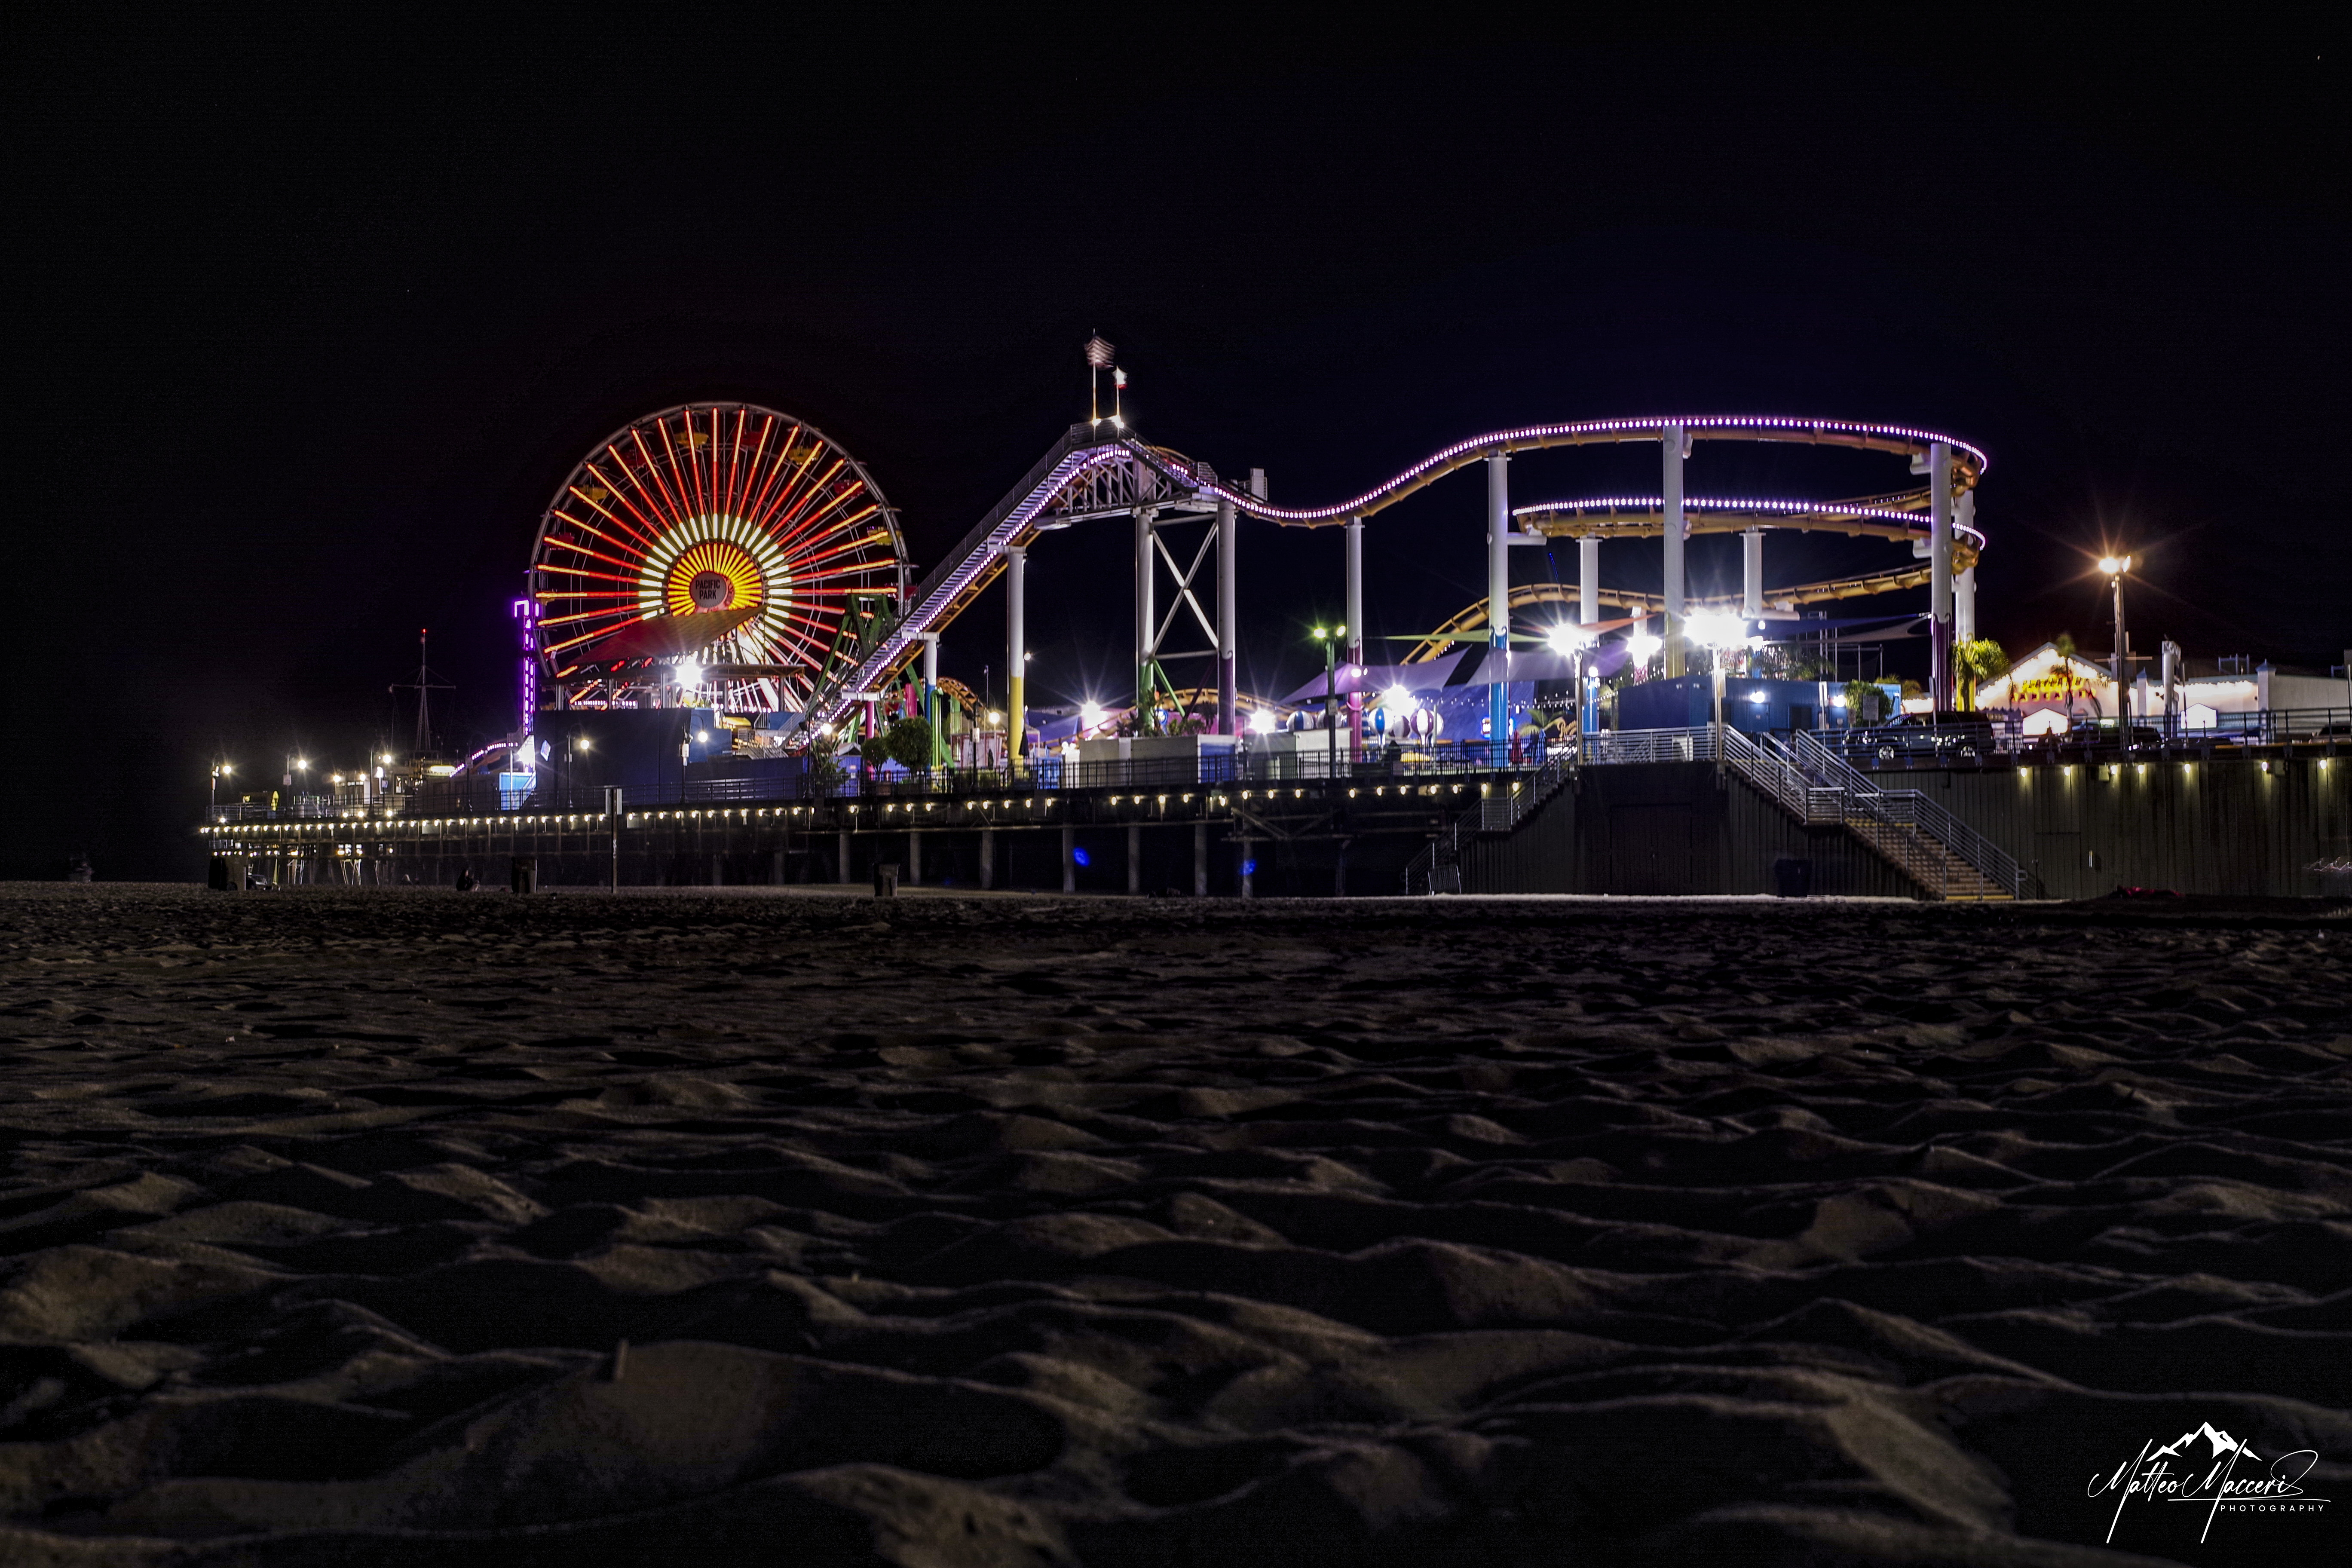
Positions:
{"x": 1632, "y": 428}
{"x": 1917, "y": 521}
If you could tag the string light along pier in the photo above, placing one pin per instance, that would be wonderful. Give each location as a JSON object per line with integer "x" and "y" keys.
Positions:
{"x": 728, "y": 676}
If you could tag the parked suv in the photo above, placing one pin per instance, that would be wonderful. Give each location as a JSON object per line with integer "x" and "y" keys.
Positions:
{"x": 1949, "y": 735}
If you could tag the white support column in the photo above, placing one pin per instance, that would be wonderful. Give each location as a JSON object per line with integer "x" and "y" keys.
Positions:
{"x": 1069, "y": 859}
{"x": 1229, "y": 719}
{"x": 1964, "y": 585}
{"x": 1016, "y": 649}
{"x": 1199, "y": 859}
{"x": 1499, "y": 597}
{"x": 1752, "y": 574}
{"x": 1676, "y": 531}
{"x": 931, "y": 697}
{"x": 1588, "y": 579}
{"x": 1939, "y": 572}
{"x": 1134, "y": 858}
{"x": 987, "y": 859}
{"x": 1143, "y": 610}
{"x": 1355, "y": 605}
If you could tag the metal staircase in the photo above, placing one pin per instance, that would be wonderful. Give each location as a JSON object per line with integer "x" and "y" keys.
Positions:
{"x": 1947, "y": 858}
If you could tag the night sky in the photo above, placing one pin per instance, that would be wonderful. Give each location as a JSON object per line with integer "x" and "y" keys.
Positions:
{"x": 309, "y": 321}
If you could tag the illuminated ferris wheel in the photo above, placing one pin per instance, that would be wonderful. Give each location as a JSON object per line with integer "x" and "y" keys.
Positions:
{"x": 706, "y": 555}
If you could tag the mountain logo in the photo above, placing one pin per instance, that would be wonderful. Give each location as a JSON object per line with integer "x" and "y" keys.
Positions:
{"x": 2216, "y": 1471}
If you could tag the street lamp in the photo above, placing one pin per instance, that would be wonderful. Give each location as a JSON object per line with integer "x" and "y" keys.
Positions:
{"x": 220, "y": 772}
{"x": 2114, "y": 566}
{"x": 1575, "y": 642}
{"x": 1717, "y": 633}
{"x": 1330, "y": 638}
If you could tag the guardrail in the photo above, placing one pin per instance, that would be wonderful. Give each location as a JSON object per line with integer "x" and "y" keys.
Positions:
{"x": 1905, "y": 812}
{"x": 1221, "y": 768}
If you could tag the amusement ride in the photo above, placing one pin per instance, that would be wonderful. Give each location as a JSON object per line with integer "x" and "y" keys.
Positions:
{"x": 732, "y": 557}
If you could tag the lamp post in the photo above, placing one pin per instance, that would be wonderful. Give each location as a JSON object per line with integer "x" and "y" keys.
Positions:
{"x": 220, "y": 771}
{"x": 1716, "y": 634}
{"x": 1330, "y": 638}
{"x": 2114, "y": 566}
{"x": 1575, "y": 642}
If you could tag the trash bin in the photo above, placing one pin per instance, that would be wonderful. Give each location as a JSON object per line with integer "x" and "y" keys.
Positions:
{"x": 1792, "y": 877}
{"x": 886, "y": 879}
{"x": 524, "y": 877}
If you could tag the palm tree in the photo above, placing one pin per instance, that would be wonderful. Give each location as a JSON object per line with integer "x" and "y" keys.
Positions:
{"x": 1976, "y": 660}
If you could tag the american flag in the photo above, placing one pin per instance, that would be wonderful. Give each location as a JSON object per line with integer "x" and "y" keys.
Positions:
{"x": 1098, "y": 353}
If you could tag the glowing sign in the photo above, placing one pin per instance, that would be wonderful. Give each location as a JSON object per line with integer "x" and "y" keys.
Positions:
{"x": 2059, "y": 684}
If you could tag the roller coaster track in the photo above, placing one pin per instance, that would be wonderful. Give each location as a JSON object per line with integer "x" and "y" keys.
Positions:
{"x": 1089, "y": 473}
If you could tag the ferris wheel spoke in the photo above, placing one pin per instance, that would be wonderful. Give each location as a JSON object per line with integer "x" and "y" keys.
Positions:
{"x": 789, "y": 519}
{"x": 831, "y": 516}
{"x": 689, "y": 467}
{"x": 796, "y": 497}
{"x": 653, "y": 525}
{"x": 591, "y": 528}
{"x": 719, "y": 490}
{"x": 634, "y": 568}
{"x": 656, "y": 524}
{"x": 734, "y": 465}
{"x": 674, "y": 478}
{"x": 672, "y": 514}
{"x": 705, "y": 450}
{"x": 779, "y": 472}
{"x": 821, "y": 557}
{"x": 606, "y": 513}
{"x": 583, "y": 572}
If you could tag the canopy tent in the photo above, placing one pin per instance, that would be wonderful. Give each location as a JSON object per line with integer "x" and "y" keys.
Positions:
{"x": 1376, "y": 677}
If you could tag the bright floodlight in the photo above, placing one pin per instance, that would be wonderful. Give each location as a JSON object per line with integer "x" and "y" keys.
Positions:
{"x": 1714, "y": 631}
{"x": 1262, "y": 722}
{"x": 301, "y": 765}
{"x": 1567, "y": 638}
{"x": 1091, "y": 716}
{"x": 688, "y": 673}
{"x": 1399, "y": 702}
{"x": 2115, "y": 565}
{"x": 1643, "y": 647}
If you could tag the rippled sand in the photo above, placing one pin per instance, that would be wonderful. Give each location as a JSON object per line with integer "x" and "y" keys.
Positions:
{"x": 428, "y": 1228}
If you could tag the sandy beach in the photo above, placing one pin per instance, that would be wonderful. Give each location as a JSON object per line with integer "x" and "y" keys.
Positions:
{"x": 697, "y": 1227}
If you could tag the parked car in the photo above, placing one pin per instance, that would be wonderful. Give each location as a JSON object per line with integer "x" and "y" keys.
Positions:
{"x": 1946, "y": 735}
{"x": 2095, "y": 732}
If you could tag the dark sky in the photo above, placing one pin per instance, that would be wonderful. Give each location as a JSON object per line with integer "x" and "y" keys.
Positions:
{"x": 309, "y": 321}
